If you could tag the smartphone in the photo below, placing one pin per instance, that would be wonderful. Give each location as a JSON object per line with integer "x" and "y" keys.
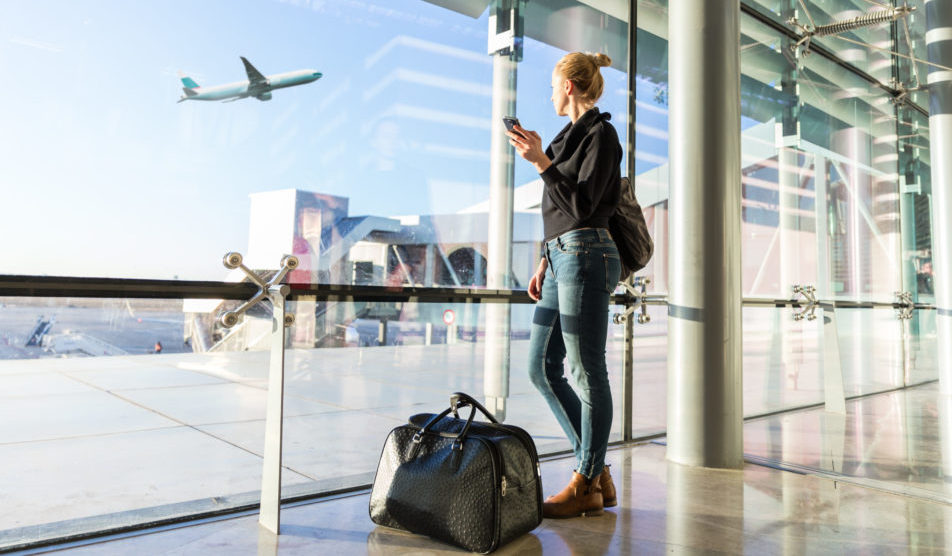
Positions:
{"x": 510, "y": 122}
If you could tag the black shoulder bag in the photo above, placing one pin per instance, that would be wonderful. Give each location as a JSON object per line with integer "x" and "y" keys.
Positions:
{"x": 630, "y": 232}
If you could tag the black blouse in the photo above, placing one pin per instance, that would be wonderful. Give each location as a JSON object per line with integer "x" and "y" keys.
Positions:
{"x": 582, "y": 184}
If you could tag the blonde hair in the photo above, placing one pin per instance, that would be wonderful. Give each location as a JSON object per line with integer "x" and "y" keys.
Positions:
{"x": 582, "y": 69}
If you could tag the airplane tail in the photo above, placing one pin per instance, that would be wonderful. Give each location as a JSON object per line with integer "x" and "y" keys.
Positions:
{"x": 187, "y": 81}
{"x": 189, "y": 86}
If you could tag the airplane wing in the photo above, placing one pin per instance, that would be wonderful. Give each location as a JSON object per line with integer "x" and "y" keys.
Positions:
{"x": 256, "y": 78}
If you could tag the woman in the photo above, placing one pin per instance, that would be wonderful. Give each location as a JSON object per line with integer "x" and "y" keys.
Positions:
{"x": 576, "y": 276}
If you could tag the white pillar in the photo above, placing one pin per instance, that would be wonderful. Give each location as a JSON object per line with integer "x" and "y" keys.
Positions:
{"x": 504, "y": 29}
{"x": 939, "y": 46}
{"x": 705, "y": 413}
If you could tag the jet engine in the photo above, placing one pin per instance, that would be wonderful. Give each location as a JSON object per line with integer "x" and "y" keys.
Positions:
{"x": 264, "y": 96}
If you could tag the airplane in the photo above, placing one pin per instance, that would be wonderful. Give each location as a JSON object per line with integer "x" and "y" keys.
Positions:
{"x": 258, "y": 85}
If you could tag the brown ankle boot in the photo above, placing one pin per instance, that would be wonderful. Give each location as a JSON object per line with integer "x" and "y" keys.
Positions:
{"x": 608, "y": 489}
{"x": 582, "y": 497}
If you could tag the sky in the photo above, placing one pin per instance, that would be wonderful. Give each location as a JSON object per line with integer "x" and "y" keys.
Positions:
{"x": 105, "y": 174}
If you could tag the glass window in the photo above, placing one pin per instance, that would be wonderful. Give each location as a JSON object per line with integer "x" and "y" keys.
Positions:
{"x": 354, "y": 135}
{"x": 166, "y": 150}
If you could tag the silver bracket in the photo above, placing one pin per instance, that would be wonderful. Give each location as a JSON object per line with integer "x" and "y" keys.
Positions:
{"x": 641, "y": 297}
{"x": 901, "y": 91}
{"x": 905, "y": 305}
{"x": 232, "y": 261}
{"x": 269, "y": 515}
{"x": 809, "y": 295}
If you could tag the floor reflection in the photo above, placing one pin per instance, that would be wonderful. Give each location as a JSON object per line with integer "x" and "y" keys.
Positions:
{"x": 267, "y": 542}
{"x": 691, "y": 501}
{"x": 900, "y": 440}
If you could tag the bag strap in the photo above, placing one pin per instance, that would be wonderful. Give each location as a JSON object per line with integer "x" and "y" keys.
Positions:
{"x": 457, "y": 447}
{"x": 462, "y": 399}
{"x": 457, "y": 400}
{"x": 433, "y": 420}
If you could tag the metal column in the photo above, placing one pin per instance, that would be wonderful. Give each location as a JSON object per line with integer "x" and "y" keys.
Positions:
{"x": 628, "y": 353}
{"x": 909, "y": 189}
{"x": 939, "y": 45}
{"x": 270, "y": 515}
{"x": 505, "y": 46}
{"x": 705, "y": 413}
{"x": 787, "y": 142}
{"x": 822, "y": 212}
{"x": 788, "y": 175}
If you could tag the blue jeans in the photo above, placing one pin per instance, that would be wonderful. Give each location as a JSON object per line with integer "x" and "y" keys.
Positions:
{"x": 571, "y": 320}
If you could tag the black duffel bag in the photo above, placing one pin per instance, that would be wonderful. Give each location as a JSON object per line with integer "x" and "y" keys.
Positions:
{"x": 472, "y": 484}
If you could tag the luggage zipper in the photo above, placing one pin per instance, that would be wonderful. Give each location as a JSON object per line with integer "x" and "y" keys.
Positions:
{"x": 504, "y": 485}
{"x": 526, "y": 439}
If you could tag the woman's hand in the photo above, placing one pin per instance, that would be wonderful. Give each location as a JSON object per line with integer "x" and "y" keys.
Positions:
{"x": 535, "y": 283}
{"x": 529, "y": 146}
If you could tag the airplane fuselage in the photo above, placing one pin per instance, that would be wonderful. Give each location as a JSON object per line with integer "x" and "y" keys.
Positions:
{"x": 244, "y": 89}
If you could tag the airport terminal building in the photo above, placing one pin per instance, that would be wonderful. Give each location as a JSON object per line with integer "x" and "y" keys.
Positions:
{"x": 213, "y": 313}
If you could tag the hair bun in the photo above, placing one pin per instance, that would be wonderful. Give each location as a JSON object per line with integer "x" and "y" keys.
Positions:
{"x": 601, "y": 60}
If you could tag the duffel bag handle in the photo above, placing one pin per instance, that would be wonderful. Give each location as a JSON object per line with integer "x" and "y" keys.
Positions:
{"x": 457, "y": 400}
{"x": 457, "y": 447}
{"x": 462, "y": 399}
{"x": 433, "y": 420}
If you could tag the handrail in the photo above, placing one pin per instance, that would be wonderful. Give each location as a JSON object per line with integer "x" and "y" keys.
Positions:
{"x": 63, "y": 286}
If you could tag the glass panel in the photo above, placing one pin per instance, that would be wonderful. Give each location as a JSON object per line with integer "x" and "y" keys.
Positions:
{"x": 801, "y": 121}
{"x": 779, "y": 211}
{"x": 389, "y": 145}
{"x": 651, "y": 134}
{"x": 369, "y": 390}
{"x": 152, "y": 436}
{"x": 783, "y": 360}
{"x": 47, "y": 328}
{"x": 902, "y": 428}
{"x": 373, "y": 166}
{"x": 852, "y": 127}
{"x": 650, "y": 374}
{"x": 819, "y": 146}
{"x": 916, "y": 202}
{"x": 871, "y": 350}
{"x": 99, "y": 431}
{"x": 922, "y": 347}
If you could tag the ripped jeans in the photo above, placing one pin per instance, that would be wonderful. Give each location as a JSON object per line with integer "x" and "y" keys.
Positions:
{"x": 571, "y": 321}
